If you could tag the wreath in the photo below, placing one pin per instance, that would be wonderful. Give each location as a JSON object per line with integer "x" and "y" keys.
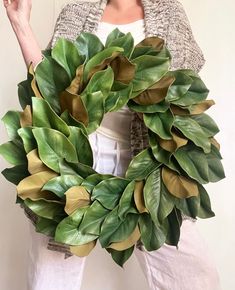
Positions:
{"x": 65, "y": 100}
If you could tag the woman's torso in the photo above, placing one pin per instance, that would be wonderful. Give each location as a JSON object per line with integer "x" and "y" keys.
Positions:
{"x": 117, "y": 124}
{"x": 111, "y": 141}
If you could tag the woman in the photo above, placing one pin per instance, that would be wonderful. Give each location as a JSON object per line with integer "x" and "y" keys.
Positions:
{"x": 189, "y": 267}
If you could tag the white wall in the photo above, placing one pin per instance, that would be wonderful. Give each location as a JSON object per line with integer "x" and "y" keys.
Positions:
{"x": 213, "y": 23}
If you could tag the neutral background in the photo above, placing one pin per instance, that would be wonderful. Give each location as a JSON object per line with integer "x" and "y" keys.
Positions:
{"x": 213, "y": 25}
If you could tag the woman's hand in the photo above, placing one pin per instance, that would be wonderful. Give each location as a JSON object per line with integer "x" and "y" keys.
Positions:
{"x": 18, "y": 11}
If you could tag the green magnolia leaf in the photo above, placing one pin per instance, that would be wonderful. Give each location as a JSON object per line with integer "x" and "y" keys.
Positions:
{"x": 166, "y": 204}
{"x": 156, "y": 108}
{"x": 126, "y": 202}
{"x": 151, "y": 46}
{"x": 118, "y": 97}
{"x": 25, "y": 92}
{"x": 180, "y": 86}
{"x": 88, "y": 45}
{"x": 124, "y": 70}
{"x": 193, "y": 131}
{"x": 108, "y": 192}
{"x": 148, "y": 50}
{"x": 160, "y": 123}
{"x": 46, "y": 226}
{"x": 52, "y": 210}
{"x": 162, "y": 156}
{"x": 215, "y": 150}
{"x": 19, "y": 200}
{"x": 59, "y": 185}
{"x": 52, "y": 146}
{"x": 45, "y": 116}
{"x": 66, "y": 168}
{"x": 52, "y": 79}
{"x": 113, "y": 35}
{"x": 188, "y": 206}
{"x": 128, "y": 242}
{"x": 194, "y": 162}
{"x": 175, "y": 221}
{"x": 190, "y": 73}
{"x": 152, "y": 237}
{"x": 179, "y": 185}
{"x": 13, "y": 152}
{"x": 143, "y": 50}
{"x": 75, "y": 106}
{"x": 158, "y": 203}
{"x": 152, "y": 192}
{"x": 93, "y": 219}
{"x": 94, "y": 103}
{"x": 92, "y": 180}
{"x": 76, "y": 168}
{"x": 204, "y": 210}
{"x": 16, "y": 173}
{"x": 68, "y": 231}
{"x": 100, "y": 81}
{"x": 26, "y": 134}
{"x": 152, "y": 41}
{"x": 156, "y": 93}
{"x": 100, "y": 61}
{"x": 82, "y": 145}
{"x": 66, "y": 54}
{"x": 114, "y": 229}
{"x": 12, "y": 123}
{"x": 142, "y": 165}
{"x": 120, "y": 257}
{"x": 47, "y": 52}
{"x": 207, "y": 124}
{"x": 200, "y": 166}
{"x": 163, "y": 53}
{"x": 159, "y": 153}
{"x": 215, "y": 167}
{"x": 71, "y": 121}
{"x": 126, "y": 42}
{"x": 149, "y": 70}
{"x": 197, "y": 92}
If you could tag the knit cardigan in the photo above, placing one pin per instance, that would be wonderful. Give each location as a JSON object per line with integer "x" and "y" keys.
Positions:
{"x": 163, "y": 18}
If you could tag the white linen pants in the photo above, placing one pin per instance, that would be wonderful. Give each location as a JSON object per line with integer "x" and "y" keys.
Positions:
{"x": 189, "y": 268}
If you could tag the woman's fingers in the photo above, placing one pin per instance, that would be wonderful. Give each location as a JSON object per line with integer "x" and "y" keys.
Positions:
{"x": 9, "y": 4}
{"x": 6, "y": 3}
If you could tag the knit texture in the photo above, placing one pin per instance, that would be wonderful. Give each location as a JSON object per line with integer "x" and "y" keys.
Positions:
{"x": 163, "y": 18}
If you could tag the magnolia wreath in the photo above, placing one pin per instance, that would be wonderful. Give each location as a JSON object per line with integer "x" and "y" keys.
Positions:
{"x": 65, "y": 99}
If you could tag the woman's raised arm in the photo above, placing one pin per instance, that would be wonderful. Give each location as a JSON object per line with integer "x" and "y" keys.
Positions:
{"x": 18, "y": 12}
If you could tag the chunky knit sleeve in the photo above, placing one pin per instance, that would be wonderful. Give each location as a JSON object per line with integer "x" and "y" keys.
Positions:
{"x": 180, "y": 39}
{"x": 70, "y": 21}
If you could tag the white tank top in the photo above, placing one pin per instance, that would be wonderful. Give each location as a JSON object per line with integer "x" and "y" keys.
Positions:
{"x": 117, "y": 124}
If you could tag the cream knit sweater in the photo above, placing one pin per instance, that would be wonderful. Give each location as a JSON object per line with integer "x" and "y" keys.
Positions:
{"x": 163, "y": 18}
